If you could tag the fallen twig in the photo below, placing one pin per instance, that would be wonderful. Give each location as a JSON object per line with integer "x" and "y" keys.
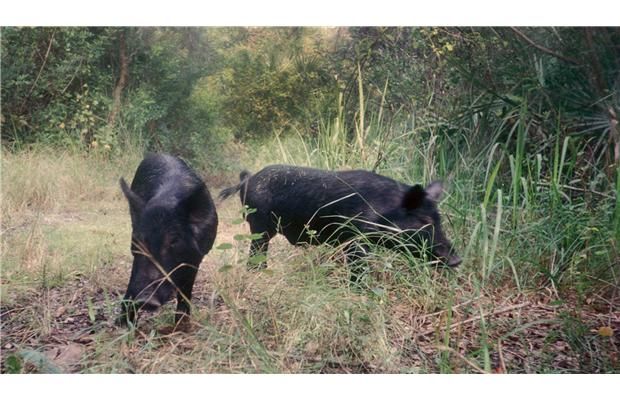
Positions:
{"x": 453, "y": 308}
{"x": 462, "y": 357}
{"x": 349, "y": 367}
{"x": 478, "y": 317}
{"x": 502, "y": 363}
{"x": 576, "y": 189}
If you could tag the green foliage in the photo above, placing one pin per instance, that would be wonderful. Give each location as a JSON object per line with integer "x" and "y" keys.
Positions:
{"x": 268, "y": 79}
{"x": 191, "y": 91}
{"x": 37, "y": 359}
{"x": 57, "y": 86}
{"x": 13, "y": 364}
{"x": 53, "y": 83}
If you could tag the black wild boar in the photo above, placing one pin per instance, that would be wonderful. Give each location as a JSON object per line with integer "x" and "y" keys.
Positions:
{"x": 174, "y": 224}
{"x": 309, "y": 205}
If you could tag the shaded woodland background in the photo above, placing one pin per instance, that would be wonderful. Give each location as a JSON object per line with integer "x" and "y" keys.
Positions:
{"x": 520, "y": 123}
{"x": 192, "y": 90}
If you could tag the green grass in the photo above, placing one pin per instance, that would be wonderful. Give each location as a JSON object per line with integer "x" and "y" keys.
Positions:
{"x": 538, "y": 281}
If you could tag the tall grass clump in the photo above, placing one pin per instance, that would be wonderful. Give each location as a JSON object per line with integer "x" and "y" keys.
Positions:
{"x": 59, "y": 214}
{"x": 510, "y": 206}
{"x": 49, "y": 179}
{"x": 518, "y": 207}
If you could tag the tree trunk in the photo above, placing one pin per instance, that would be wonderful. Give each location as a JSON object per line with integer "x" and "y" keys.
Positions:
{"x": 122, "y": 78}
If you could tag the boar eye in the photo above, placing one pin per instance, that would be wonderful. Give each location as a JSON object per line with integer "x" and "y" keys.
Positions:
{"x": 176, "y": 243}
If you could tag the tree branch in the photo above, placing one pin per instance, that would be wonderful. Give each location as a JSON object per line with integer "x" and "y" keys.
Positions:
{"x": 73, "y": 76}
{"x": 34, "y": 84}
{"x": 122, "y": 78}
{"x": 544, "y": 49}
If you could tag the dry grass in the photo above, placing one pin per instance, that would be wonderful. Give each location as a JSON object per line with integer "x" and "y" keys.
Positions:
{"x": 66, "y": 261}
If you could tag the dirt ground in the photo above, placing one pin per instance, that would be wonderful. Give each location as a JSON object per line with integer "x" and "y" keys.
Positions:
{"x": 71, "y": 315}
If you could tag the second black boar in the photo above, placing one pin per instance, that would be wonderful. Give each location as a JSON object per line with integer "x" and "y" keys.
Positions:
{"x": 174, "y": 224}
{"x": 309, "y": 205}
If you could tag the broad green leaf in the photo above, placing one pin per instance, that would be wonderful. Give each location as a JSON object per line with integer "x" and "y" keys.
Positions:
{"x": 257, "y": 259}
{"x": 13, "y": 364}
{"x": 225, "y": 268}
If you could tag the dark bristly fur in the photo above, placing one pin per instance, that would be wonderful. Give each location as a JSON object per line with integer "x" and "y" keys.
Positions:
{"x": 174, "y": 223}
{"x": 309, "y": 205}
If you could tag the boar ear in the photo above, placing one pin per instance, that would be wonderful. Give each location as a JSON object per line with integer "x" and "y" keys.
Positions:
{"x": 196, "y": 205}
{"x": 414, "y": 197}
{"x": 434, "y": 191}
{"x": 136, "y": 204}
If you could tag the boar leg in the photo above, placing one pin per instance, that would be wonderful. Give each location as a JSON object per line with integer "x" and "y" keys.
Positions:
{"x": 184, "y": 296}
{"x": 128, "y": 313}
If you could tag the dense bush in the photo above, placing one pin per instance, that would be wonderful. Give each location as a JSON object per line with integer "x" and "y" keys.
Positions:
{"x": 185, "y": 89}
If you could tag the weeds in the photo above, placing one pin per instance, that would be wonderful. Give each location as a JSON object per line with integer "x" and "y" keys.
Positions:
{"x": 538, "y": 281}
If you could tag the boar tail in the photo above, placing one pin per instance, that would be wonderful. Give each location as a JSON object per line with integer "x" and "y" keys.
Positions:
{"x": 243, "y": 178}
